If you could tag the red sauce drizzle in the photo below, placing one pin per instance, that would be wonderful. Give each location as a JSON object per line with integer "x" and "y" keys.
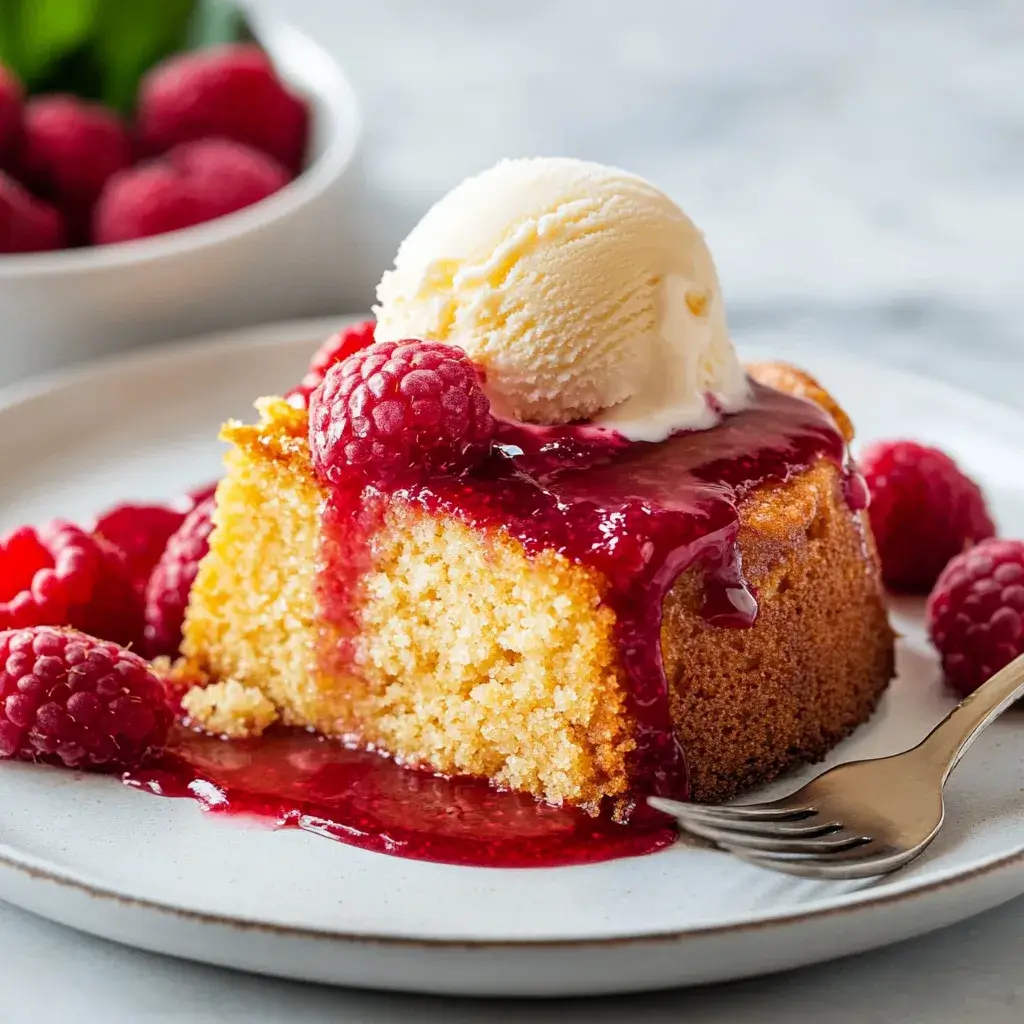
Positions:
{"x": 640, "y": 514}
{"x": 295, "y": 780}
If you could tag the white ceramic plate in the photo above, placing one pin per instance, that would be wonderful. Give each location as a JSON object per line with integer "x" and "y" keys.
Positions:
{"x": 157, "y": 874}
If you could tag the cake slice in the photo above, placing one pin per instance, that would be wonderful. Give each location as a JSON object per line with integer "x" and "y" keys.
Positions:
{"x": 540, "y": 525}
{"x": 470, "y": 654}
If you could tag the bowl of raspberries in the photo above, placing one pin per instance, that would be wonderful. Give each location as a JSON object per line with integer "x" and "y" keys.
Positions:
{"x": 194, "y": 173}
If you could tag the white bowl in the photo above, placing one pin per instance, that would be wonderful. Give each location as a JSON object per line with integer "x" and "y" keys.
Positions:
{"x": 295, "y": 253}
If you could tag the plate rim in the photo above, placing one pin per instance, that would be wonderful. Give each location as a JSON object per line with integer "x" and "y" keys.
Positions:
{"x": 291, "y": 332}
{"x": 850, "y": 904}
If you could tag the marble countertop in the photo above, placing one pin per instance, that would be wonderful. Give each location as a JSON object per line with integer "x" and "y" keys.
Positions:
{"x": 855, "y": 166}
{"x": 49, "y": 975}
{"x": 857, "y": 169}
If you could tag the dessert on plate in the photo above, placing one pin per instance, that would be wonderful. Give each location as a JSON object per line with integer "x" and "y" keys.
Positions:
{"x": 540, "y": 525}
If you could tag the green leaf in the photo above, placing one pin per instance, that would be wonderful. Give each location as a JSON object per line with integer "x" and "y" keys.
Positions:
{"x": 37, "y": 34}
{"x": 10, "y": 34}
{"x": 131, "y": 36}
{"x": 77, "y": 72}
{"x": 100, "y": 49}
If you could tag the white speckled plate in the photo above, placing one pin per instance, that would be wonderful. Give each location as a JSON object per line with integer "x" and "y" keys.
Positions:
{"x": 157, "y": 874}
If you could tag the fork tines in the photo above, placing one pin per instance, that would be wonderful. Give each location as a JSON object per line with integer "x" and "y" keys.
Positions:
{"x": 796, "y": 839}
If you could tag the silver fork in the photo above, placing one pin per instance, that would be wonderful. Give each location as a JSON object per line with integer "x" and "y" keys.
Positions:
{"x": 859, "y": 819}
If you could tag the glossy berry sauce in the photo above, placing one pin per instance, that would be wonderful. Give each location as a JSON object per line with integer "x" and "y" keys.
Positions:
{"x": 639, "y": 514}
{"x": 296, "y": 780}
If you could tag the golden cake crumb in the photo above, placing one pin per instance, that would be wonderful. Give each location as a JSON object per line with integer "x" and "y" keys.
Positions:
{"x": 477, "y": 659}
{"x": 474, "y": 657}
{"x": 229, "y": 708}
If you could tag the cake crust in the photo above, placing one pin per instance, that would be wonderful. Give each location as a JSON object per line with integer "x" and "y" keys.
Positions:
{"x": 749, "y": 703}
{"x": 474, "y": 657}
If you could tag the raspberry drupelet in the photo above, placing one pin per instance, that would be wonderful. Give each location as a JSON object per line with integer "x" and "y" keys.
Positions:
{"x": 228, "y": 91}
{"x": 337, "y": 347}
{"x": 924, "y": 510}
{"x": 27, "y": 224}
{"x": 193, "y": 183}
{"x": 976, "y": 612}
{"x": 59, "y": 575}
{"x": 171, "y": 582}
{"x": 12, "y": 105}
{"x": 399, "y": 405}
{"x": 70, "y": 150}
{"x": 142, "y": 533}
{"x": 68, "y": 698}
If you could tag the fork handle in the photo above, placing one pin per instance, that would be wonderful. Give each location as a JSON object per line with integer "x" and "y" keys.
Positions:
{"x": 950, "y": 739}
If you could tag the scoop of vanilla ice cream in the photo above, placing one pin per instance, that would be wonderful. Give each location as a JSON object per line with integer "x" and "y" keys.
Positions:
{"x": 584, "y": 292}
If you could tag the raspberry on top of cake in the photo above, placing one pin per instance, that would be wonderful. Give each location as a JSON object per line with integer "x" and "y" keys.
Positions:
{"x": 540, "y": 525}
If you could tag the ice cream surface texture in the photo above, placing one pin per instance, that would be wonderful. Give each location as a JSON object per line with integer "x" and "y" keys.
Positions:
{"x": 584, "y": 291}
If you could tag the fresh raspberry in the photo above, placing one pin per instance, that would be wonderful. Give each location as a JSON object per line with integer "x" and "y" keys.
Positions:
{"x": 231, "y": 91}
{"x": 60, "y": 575}
{"x": 169, "y": 587}
{"x": 924, "y": 510}
{"x": 70, "y": 150}
{"x": 399, "y": 404}
{"x": 337, "y": 347}
{"x": 142, "y": 533}
{"x": 68, "y": 698}
{"x": 976, "y": 612}
{"x": 12, "y": 101}
{"x": 194, "y": 183}
{"x": 27, "y": 224}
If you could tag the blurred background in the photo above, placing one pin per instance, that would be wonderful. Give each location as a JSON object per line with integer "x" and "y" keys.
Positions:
{"x": 857, "y": 165}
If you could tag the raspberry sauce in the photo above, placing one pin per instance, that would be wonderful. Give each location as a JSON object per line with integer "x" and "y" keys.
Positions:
{"x": 292, "y": 779}
{"x": 637, "y": 513}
